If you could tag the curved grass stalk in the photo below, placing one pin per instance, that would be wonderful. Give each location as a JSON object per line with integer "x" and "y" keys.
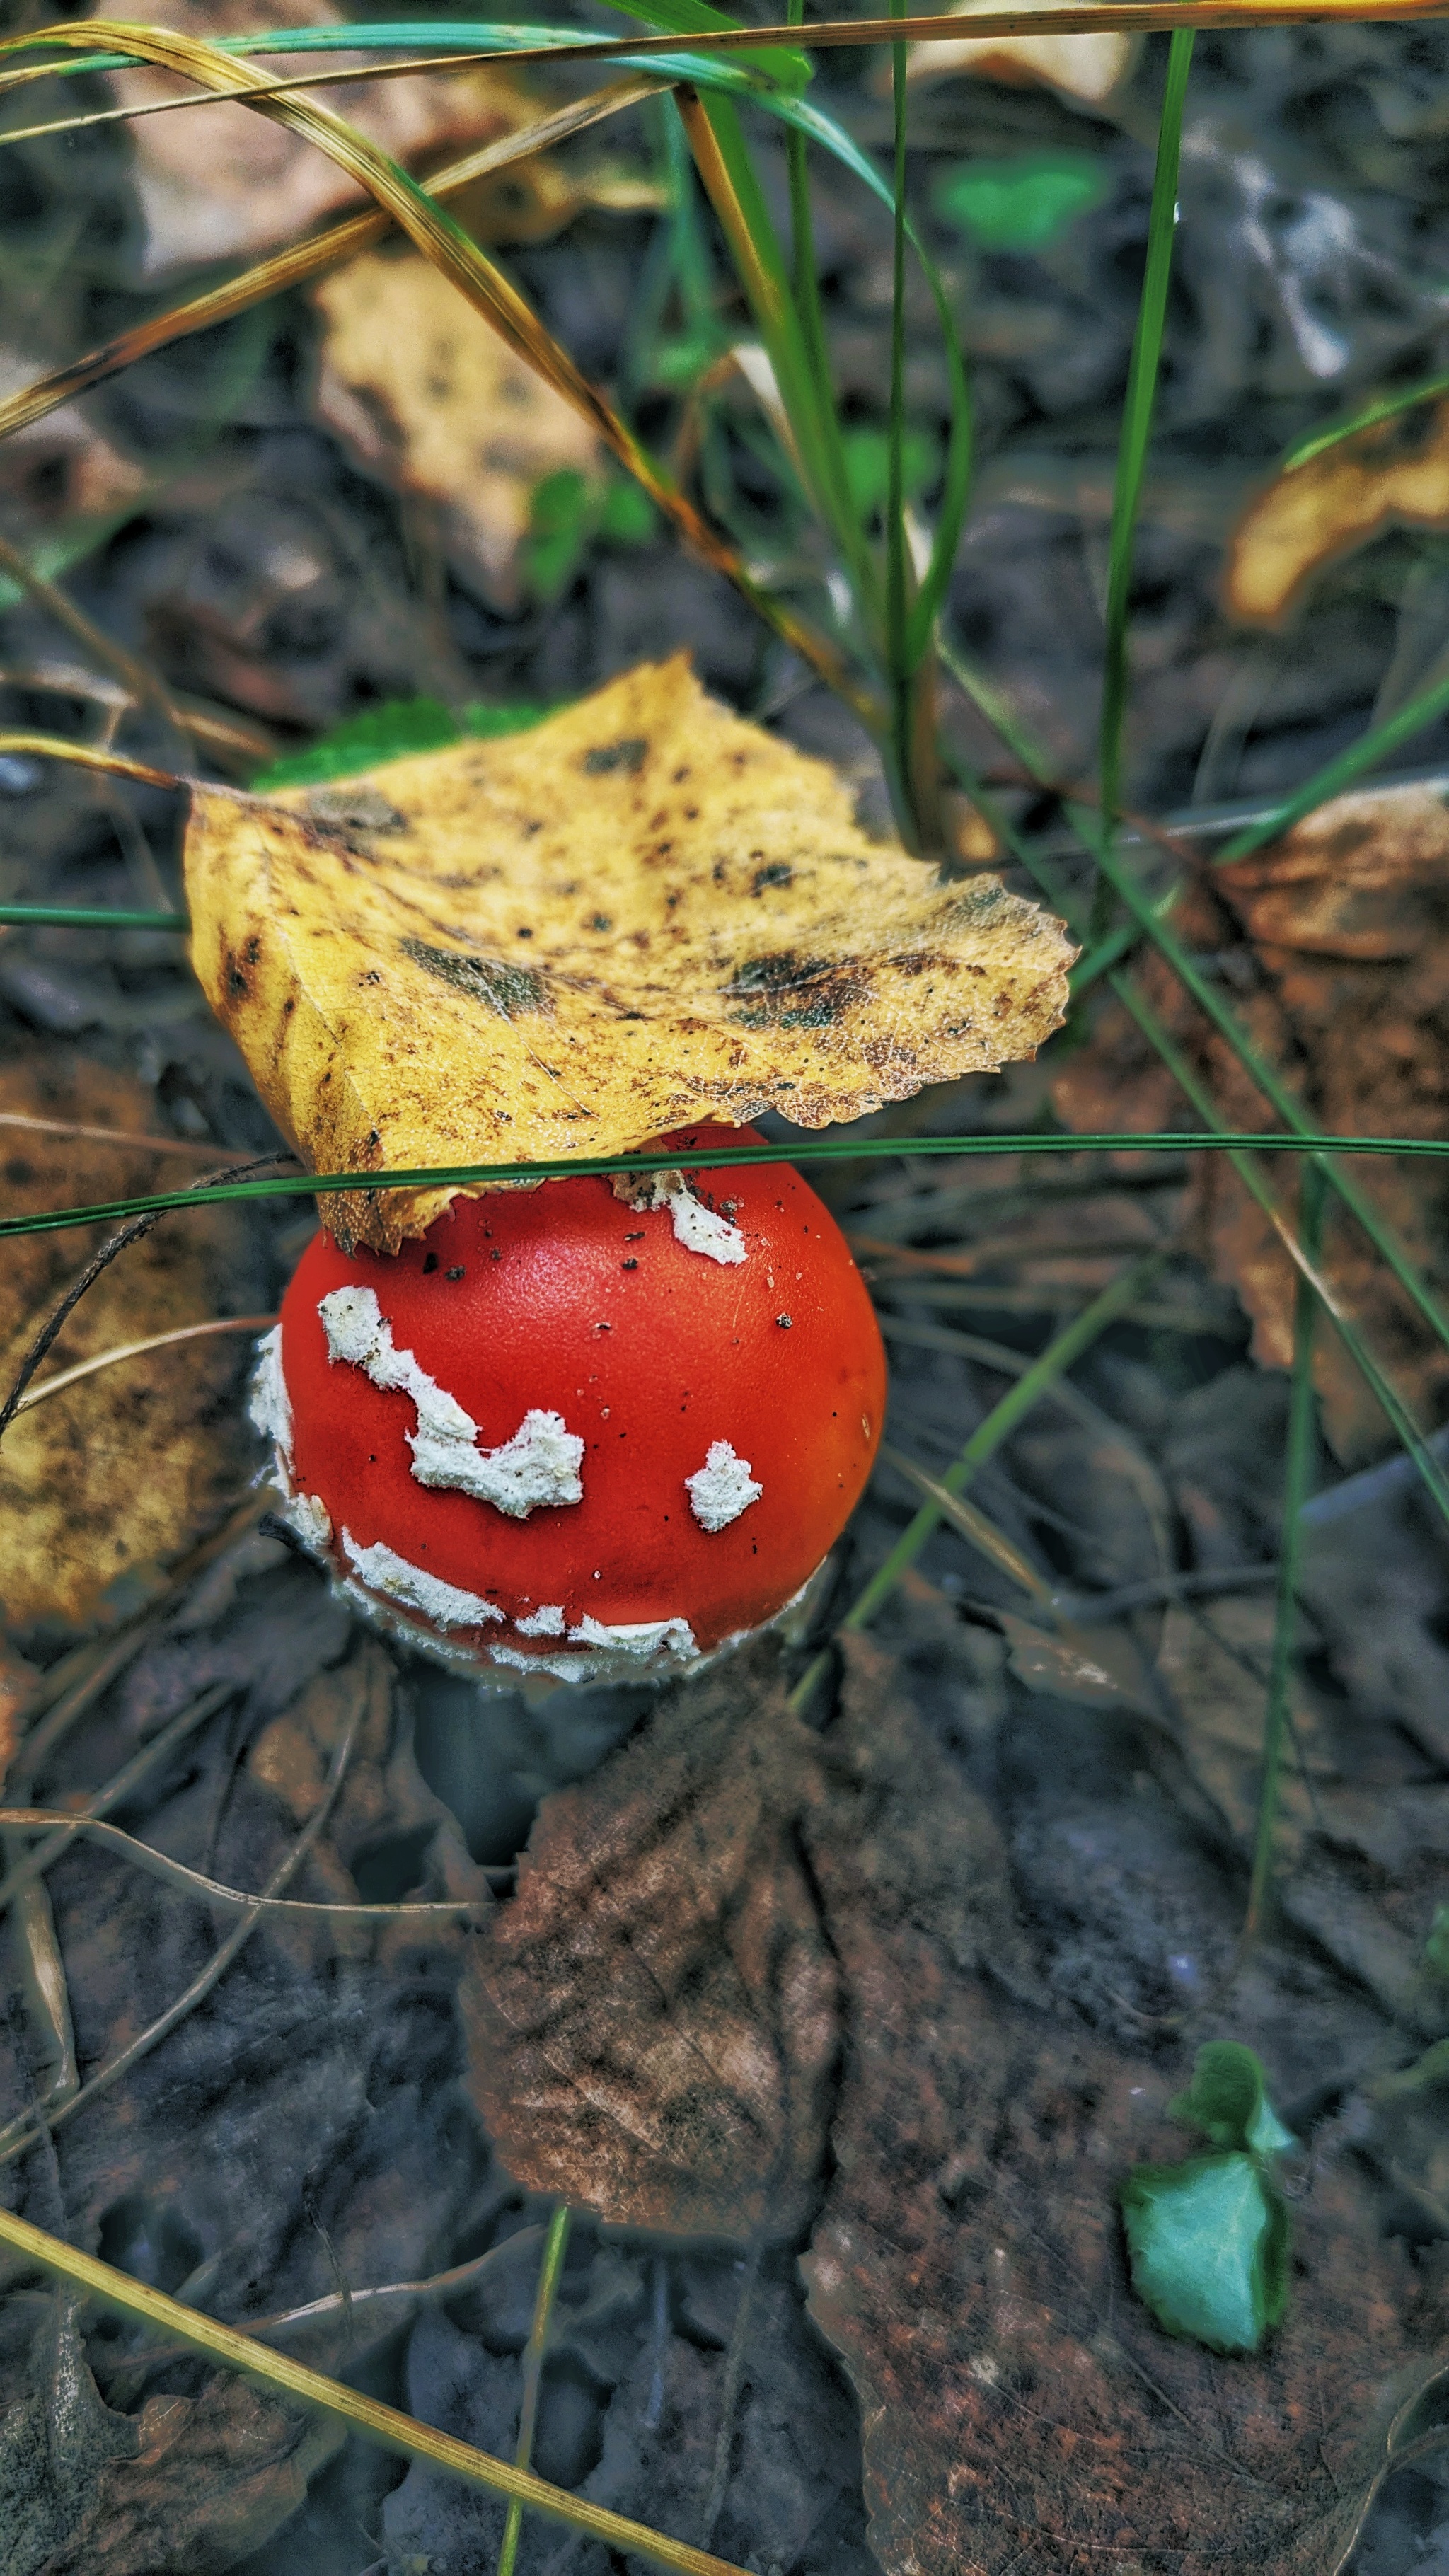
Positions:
{"x": 62, "y": 1827}
{"x": 83, "y": 755}
{"x": 1136, "y": 437}
{"x": 481, "y": 1176}
{"x": 386, "y": 2425}
{"x": 1320, "y": 441}
{"x": 549, "y": 2275}
{"x": 99, "y": 1360}
{"x": 459, "y": 258}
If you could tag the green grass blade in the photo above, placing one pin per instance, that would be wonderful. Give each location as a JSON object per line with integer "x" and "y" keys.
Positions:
{"x": 62, "y": 916}
{"x": 802, "y": 1150}
{"x": 898, "y": 670}
{"x": 1137, "y": 428}
{"x": 549, "y": 2275}
{"x": 1297, "y": 1482}
{"x": 1319, "y": 442}
{"x": 1335, "y": 775}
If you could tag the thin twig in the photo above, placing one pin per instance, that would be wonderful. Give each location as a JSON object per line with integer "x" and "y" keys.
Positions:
{"x": 136, "y": 1350}
{"x": 137, "y": 679}
{"x": 64, "y": 1822}
{"x": 100, "y": 1262}
{"x": 201, "y": 1986}
{"x": 65, "y": 1827}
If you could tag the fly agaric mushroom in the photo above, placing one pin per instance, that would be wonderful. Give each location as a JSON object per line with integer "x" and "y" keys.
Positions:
{"x": 595, "y": 1430}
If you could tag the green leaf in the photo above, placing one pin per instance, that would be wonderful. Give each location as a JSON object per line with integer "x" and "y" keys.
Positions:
{"x": 391, "y": 732}
{"x": 561, "y": 518}
{"x": 1208, "y": 2246}
{"x": 1436, "y": 1948}
{"x": 1021, "y": 204}
{"x": 1228, "y": 2100}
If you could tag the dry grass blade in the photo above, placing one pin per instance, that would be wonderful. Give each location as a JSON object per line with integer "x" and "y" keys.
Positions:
{"x": 486, "y": 288}
{"x": 378, "y": 2423}
{"x": 305, "y": 260}
{"x": 195, "y": 1149}
{"x": 85, "y": 755}
{"x": 135, "y": 676}
{"x": 134, "y": 1350}
{"x": 61, "y": 1827}
{"x": 125, "y": 1782}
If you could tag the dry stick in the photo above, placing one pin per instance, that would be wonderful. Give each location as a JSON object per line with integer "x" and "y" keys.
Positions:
{"x": 141, "y": 682}
{"x": 88, "y": 755}
{"x": 68, "y": 680}
{"x": 197, "y": 1149}
{"x": 377, "y": 2423}
{"x": 304, "y": 260}
{"x": 200, "y": 1986}
{"x": 730, "y": 2394}
{"x": 64, "y": 1825}
{"x": 99, "y": 1262}
{"x": 550, "y": 2273}
{"x": 440, "y": 2285}
{"x": 128, "y": 1778}
{"x": 134, "y": 1350}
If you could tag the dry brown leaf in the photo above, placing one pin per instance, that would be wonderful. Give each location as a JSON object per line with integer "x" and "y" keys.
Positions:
{"x": 222, "y": 182}
{"x": 1397, "y": 476}
{"x": 651, "y": 2024}
{"x": 214, "y": 2477}
{"x": 1085, "y": 67}
{"x": 1348, "y": 971}
{"x": 1019, "y": 2408}
{"x": 428, "y": 397}
{"x": 642, "y": 912}
{"x": 133, "y": 1464}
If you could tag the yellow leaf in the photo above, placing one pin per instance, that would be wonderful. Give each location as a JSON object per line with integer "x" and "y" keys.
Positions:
{"x": 643, "y": 912}
{"x": 1086, "y": 67}
{"x": 127, "y": 1468}
{"x": 1332, "y": 505}
{"x": 429, "y": 397}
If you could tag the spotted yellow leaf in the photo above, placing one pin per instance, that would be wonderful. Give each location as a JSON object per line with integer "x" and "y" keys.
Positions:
{"x": 642, "y": 912}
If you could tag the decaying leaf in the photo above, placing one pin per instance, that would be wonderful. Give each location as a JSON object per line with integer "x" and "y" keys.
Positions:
{"x": 1086, "y": 67}
{"x": 1394, "y": 476}
{"x": 427, "y": 396}
{"x": 1342, "y": 988}
{"x": 652, "y": 2022}
{"x": 76, "y": 1517}
{"x": 1018, "y": 2407}
{"x": 642, "y": 912}
{"x": 224, "y": 183}
{"x": 211, "y": 2479}
{"x": 662, "y": 2021}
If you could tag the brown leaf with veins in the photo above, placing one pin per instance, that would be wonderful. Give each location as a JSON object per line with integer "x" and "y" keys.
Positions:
{"x": 1333, "y": 947}
{"x": 652, "y": 2023}
{"x": 75, "y": 1515}
{"x": 1019, "y": 2408}
{"x": 569, "y": 941}
{"x": 736, "y": 1930}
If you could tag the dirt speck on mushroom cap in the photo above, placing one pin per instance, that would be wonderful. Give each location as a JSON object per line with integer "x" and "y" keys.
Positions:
{"x": 522, "y": 1302}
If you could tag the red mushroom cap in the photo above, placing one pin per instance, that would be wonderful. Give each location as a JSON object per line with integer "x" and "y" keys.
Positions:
{"x": 571, "y": 1434}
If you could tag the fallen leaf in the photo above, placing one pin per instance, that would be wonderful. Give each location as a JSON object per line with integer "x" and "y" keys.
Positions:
{"x": 651, "y": 2024}
{"x": 1018, "y": 2406}
{"x": 221, "y": 182}
{"x": 1392, "y": 477}
{"x": 1085, "y": 67}
{"x": 1098, "y": 1667}
{"x": 78, "y": 1520}
{"x": 427, "y": 397}
{"x": 213, "y": 2477}
{"x": 1335, "y": 948}
{"x": 642, "y": 912}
